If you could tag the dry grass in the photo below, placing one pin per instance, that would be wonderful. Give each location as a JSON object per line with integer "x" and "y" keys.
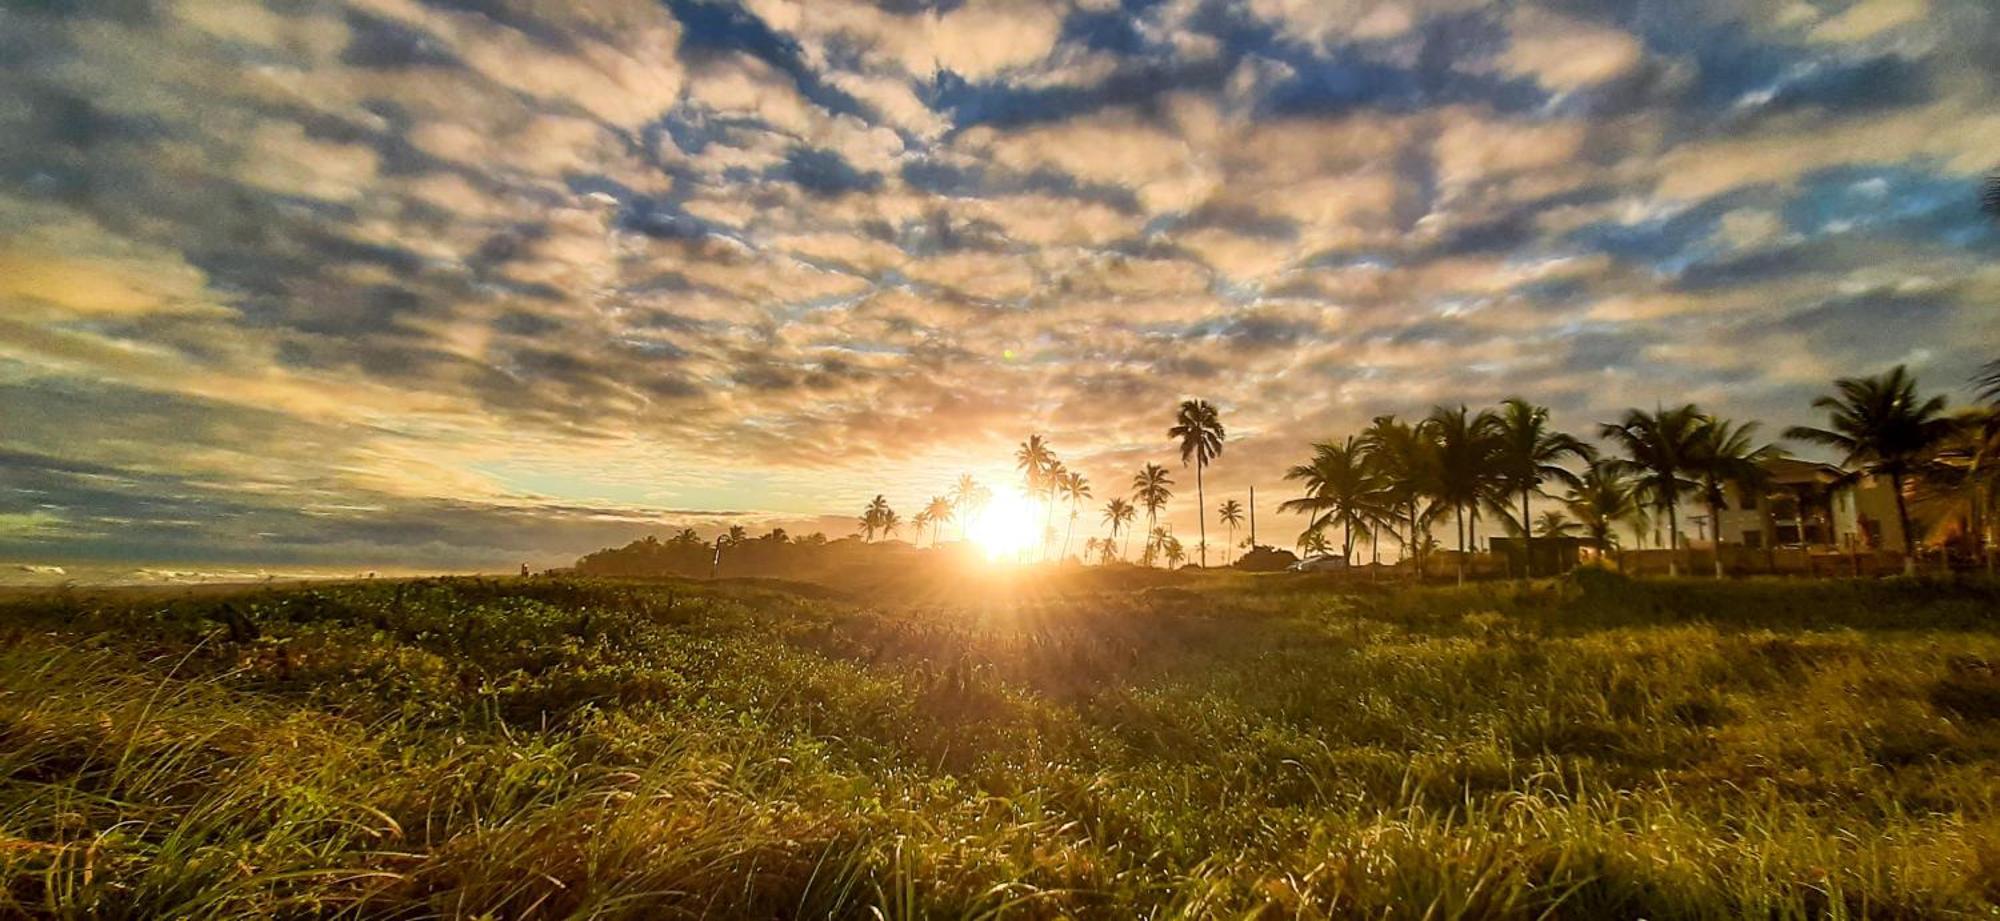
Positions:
{"x": 1224, "y": 746}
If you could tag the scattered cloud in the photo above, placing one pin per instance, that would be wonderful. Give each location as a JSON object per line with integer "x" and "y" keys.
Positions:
{"x": 446, "y": 283}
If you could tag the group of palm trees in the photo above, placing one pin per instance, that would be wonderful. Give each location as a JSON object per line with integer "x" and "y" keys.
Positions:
{"x": 1401, "y": 478}
{"x": 1457, "y": 466}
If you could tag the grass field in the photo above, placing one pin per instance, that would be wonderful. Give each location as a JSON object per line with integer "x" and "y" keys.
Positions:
{"x": 1186, "y": 747}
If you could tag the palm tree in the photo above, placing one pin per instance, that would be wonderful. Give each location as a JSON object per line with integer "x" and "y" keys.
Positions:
{"x": 922, "y": 521}
{"x": 1662, "y": 451}
{"x": 1466, "y": 474}
{"x": 1885, "y": 429}
{"x": 939, "y": 511}
{"x": 1405, "y": 458}
{"x": 966, "y": 497}
{"x": 1230, "y": 513}
{"x": 1724, "y": 456}
{"x": 1198, "y": 428}
{"x": 1964, "y": 476}
{"x": 1601, "y": 498}
{"x": 1339, "y": 485}
{"x": 890, "y": 522}
{"x": 874, "y": 517}
{"x": 1312, "y": 542}
{"x": 1553, "y": 523}
{"x": 1075, "y": 488}
{"x": 1987, "y": 383}
{"x": 686, "y": 538}
{"x": 1171, "y": 547}
{"x": 737, "y": 534}
{"x": 1151, "y": 489}
{"x": 1119, "y": 514}
{"x": 1528, "y": 454}
{"x": 1038, "y": 466}
{"x": 1052, "y": 485}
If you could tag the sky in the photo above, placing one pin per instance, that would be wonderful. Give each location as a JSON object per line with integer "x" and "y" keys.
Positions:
{"x": 467, "y": 283}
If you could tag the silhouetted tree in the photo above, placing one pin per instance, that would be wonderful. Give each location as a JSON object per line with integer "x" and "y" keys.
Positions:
{"x": 1198, "y": 428}
{"x": 1339, "y": 485}
{"x": 1529, "y": 452}
{"x": 1601, "y": 498}
{"x": 1884, "y": 428}
{"x": 1662, "y": 452}
{"x": 1075, "y": 488}
{"x": 1553, "y": 523}
{"x": 1151, "y": 488}
{"x": 1405, "y": 458}
{"x": 1119, "y": 513}
{"x": 1726, "y": 456}
{"x": 1230, "y": 513}
{"x": 938, "y": 511}
{"x": 874, "y": 518}
{"x": 1467, "y": 470}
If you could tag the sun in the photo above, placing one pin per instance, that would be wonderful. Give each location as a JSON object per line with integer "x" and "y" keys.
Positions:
{"x": 1005, "y": 527}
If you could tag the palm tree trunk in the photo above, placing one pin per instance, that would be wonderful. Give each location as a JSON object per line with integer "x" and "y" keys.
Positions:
{"x": 1715, "y": 531}
{"x": 1673, "y": 539}
{"x": 1070, "y": 531}
{"x": 1527, "y": 541}
{"x": 1416, "y": 544}
{"x": 1201, "y": 511}
{"x": 1459, "y": 512}
{"x": 1903, "y": 517}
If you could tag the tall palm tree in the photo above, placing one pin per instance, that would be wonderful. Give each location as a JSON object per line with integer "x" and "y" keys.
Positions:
{"x": 1119, "y": 513}
{"x": 1038, "y": 465}
{"x": 1884, "y": 428}
{"x": 890, "y": 522}
{"x": 1529, "y": 452}
{"x": 1170, "y": 547}
{"x": 1404, "y": 456}
{"x": 1726, "y": 456}
{"x": 1601, "y": 498}
{"x": 1339, "y": 485}
{"x": 874, "y": 516}
{"x": 1151, "y": 488}
{"x": 939, "y": 511}
{"x": 1052, "y": 485}
{"x": 922, "y": 522}
{"x": 966, "y": 497}
{"x": 1312, "y": 542}
{"x": 1662, "y": 449}
{"x": 1466, "y": 474}
{"x": 1033, "y": 458}
{"x": 1075, "y": 488}
{"x": 1230, "y": 513}
{"x": 1198, "y": 428}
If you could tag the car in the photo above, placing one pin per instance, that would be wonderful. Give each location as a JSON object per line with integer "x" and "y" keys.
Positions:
{"x": 1324, "y": 563}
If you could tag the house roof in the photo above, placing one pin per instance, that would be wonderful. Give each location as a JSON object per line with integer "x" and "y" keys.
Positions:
{"x": 1792, "y": 470}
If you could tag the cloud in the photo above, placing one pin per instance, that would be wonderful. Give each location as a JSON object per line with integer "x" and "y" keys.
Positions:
{"x": 466, "y": 283}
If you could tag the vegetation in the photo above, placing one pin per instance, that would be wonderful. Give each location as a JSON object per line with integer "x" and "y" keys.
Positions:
{"x": 1173, "y": 745}
{"x": 1885, "y": 429}
{"x": 1198, "y": 430}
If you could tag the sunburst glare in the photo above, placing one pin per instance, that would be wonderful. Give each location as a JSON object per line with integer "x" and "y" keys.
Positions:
{"x": 1005, "y": 529}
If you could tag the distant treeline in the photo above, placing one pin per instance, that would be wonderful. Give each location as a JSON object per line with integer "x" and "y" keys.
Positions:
{"x": 734, "y": 554}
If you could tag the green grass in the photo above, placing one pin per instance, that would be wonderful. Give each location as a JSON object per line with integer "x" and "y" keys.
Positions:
{"x": 1199, "y": 747}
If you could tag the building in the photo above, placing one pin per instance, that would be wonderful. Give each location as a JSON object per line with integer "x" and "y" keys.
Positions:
{"x": 1812, "y": 506}
{"x": 1551, "y": 555}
